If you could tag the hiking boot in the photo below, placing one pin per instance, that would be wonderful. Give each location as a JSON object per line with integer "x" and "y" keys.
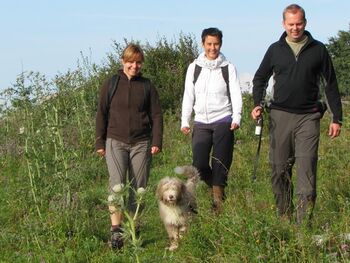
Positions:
{"x": 117, "y": 238}
{"x": 218, "y": 198}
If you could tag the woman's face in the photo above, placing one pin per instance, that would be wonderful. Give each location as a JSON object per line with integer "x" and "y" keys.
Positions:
{"x": 211, "y": 47}
{"x": 132, "y": 67}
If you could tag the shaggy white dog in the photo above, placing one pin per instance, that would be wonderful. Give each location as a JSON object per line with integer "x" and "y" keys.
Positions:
{"x": 177, "y": 202}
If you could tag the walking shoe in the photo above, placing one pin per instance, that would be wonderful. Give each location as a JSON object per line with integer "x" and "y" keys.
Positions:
{"x": 117, "y": 238}
{"x": 218, "y": 198}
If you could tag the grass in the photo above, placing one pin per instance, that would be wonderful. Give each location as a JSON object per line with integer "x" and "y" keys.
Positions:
{"x": 54, "y": 197}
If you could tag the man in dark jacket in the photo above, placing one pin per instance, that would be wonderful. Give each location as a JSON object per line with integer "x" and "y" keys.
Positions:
{"x": 297, "y": 63}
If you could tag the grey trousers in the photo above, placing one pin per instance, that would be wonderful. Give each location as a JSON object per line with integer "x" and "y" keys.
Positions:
{"x": 128, "y": 164}
{"x": 294, "y": 138}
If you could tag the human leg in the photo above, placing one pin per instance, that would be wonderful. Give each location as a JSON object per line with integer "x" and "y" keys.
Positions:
{"x": 223, "y": 139}
{"x": 117, "y": 164}
{"x": 140, "y": 160}
{"x": 281, "y": 130}
{"x": 201, "y": 148}
{"x": 307, "y": 141}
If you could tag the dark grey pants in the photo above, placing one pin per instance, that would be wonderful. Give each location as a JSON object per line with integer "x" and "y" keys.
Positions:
{"x": 215, "y": 139}
{"x": 294, "y": 138}
{"x": 128, "y": 159}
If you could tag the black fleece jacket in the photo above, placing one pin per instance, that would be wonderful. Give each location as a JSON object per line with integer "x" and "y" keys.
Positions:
{"x": 297, "y": 79}
{"x": 130, "y": 119}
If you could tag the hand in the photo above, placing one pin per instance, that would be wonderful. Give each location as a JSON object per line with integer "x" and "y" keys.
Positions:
{"x": 334, "y": 130}
{"x": 234, "y": 126}
{"x": 256, "y": 112}
{"x": 101, "y": 152}
{"x": 185, "y": 130}
{"x": 154, "y": 150}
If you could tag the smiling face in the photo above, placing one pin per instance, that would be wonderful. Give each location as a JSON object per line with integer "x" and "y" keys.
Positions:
{"x": 132, "y": 67}
{"x": 132, "y": 60}
{"x": 294, "y": 23}
{"x": 211, "y": 46}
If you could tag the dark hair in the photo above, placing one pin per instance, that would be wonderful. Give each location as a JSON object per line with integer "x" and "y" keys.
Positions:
{"x": 293, "y": 8}
{"x": 212, "y": 31}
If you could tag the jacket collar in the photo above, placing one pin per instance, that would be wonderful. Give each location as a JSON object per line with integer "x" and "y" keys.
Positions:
{"x": 284, "y": 35}
{"x": 124, "y": 76}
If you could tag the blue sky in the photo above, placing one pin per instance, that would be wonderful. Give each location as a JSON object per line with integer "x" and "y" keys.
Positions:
{"x": 48, "y": 36}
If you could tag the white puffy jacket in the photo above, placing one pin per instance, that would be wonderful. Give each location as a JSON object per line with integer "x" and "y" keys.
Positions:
{"x": 208, "y": 97}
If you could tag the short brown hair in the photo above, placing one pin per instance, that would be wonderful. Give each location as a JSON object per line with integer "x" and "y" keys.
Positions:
{"x": 293, "y": 8}
{"x": 133, "y": 52}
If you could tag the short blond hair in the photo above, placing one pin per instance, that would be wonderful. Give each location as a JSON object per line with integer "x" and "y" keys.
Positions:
{"x": 293, "y": 8}
{"x": 133, "y": 52}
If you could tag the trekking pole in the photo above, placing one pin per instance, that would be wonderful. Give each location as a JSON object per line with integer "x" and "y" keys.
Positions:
{"x": 258, "y": 132}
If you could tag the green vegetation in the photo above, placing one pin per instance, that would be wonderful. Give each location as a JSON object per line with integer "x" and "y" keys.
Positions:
{"x": 339, "y": 48}
{"x": 54, "y": 187}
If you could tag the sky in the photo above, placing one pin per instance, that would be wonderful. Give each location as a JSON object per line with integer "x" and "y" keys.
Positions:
{"x": 50, "y": 36}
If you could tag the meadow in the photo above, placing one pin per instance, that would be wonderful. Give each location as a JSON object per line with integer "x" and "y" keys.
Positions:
{"x": 54, "y": 186}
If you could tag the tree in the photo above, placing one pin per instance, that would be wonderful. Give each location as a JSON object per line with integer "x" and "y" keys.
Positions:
{"x": 339, "y": 49}
{"x": 166, "y": 64}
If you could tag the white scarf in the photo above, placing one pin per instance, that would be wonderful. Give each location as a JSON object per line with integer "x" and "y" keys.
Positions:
{"x": 204, "y": 62}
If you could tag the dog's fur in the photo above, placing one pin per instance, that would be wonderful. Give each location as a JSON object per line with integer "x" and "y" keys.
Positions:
{"x": 177, "y": 202}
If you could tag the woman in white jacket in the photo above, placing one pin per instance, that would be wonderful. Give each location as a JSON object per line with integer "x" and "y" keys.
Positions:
{"x": 217, "y": 107}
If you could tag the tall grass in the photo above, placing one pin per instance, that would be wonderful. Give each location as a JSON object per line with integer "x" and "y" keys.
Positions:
{"x": 53, "y": 202}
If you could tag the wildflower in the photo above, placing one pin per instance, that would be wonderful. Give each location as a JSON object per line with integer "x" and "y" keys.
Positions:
{"x": 344, "y": 247}
{"x": 319, "y": 239}
{"x": 117, "y": 197}
{"x": 141, "y": 190}
{"x": 117, "y": 188}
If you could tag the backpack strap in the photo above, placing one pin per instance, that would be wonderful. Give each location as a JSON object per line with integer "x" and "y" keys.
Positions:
{"x": 147, "y": 93}
{"x": 197, "y": 71}
{"x": 224, "y": 71}
{"x": 225, "y": 75}
{"x": 111, "y": 90}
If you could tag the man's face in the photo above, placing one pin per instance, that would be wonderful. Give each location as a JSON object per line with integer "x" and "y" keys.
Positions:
{"x": 294, "y": 24}
{"x": 211, "y": 47}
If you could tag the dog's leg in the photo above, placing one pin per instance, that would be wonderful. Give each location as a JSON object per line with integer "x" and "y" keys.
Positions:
{"x": 182, "y": 231}
{"x": 174, "y": 244}
{"x": 173, "y": 233}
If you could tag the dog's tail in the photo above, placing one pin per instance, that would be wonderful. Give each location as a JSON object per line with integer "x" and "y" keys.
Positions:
{"x": 189, "y": 171}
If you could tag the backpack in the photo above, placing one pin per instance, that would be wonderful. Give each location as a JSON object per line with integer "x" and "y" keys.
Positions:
{"x": 224, "y": 70}
{"x": 114, "y": 85}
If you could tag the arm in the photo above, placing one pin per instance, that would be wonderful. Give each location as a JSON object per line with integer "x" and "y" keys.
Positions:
{"x": 332, "y": 95}
{"x": 261, "y": 78}
{"x": 188, "y": 100}
{"x": 331, "y": 89}
{"x": 156, "y": 115}
{"x": 101, "y": 119}
{"x": 236, "y": 97}
{"x": 260, "y": 83}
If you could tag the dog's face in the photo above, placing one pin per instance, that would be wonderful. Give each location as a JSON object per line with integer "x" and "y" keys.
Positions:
{"x": 170, "y": 190}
